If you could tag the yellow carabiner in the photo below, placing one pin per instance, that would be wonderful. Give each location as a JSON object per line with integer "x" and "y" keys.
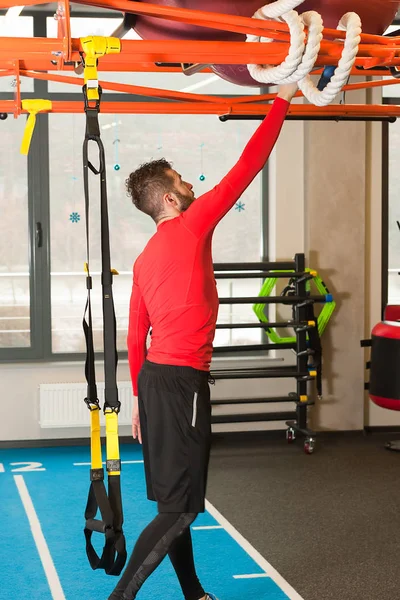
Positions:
{"x": 94, "y": 47}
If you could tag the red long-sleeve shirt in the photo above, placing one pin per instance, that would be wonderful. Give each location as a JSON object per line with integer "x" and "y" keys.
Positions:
{"x": 174, "y": 290}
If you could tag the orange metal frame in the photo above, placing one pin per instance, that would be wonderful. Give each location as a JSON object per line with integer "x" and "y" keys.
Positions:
{"x": 37, "y": 57}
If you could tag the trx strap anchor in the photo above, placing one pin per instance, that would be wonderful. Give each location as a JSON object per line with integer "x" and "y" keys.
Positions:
{"x": 95, "y": 47}
{"x": 108, "y": 502}
{"x": 33, "y": 106}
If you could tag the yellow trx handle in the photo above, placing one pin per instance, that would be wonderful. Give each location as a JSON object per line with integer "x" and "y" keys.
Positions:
{"x": 112, "y": 444}
{"x": 33, "y": 107}
{"x": 94, "y": 47}
{"x": 95, "y": 439}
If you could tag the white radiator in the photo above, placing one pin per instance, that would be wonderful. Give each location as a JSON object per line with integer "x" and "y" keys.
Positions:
{"x": 62, "y": 404}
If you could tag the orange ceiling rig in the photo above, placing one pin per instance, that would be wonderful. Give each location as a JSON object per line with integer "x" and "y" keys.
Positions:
{"x": 40, "y": 57}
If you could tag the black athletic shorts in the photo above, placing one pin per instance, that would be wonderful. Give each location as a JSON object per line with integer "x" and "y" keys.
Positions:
{"x": 175, "y": 420}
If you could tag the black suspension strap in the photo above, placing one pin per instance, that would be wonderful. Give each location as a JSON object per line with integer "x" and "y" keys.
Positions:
{"x": 107, "y": 501}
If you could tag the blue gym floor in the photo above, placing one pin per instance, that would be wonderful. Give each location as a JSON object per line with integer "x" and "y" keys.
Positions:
{"x": 43, "y": 496}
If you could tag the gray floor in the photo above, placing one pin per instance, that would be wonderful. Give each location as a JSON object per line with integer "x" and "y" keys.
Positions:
{"x": 329, "y": 523}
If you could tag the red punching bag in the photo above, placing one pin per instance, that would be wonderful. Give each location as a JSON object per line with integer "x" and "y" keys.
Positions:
{"x": 376, "y": 16}
{"x": 384, "y": 385}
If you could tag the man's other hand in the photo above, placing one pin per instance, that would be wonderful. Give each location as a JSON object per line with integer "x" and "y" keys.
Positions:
{"x": 136, "y": 432}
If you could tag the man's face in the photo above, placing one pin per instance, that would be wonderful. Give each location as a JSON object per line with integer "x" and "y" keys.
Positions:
{"x": 183, "y": 191}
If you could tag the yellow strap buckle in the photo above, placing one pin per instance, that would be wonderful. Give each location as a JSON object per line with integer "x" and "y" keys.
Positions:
{"x": 97, "y": 460}
{"x": 94, "y": 47}
{"x": 112, "y": 443}
{"x": 33, "y": 106}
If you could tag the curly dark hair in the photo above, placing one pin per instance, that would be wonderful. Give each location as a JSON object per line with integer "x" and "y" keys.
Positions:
{"x": 147, "y": 184}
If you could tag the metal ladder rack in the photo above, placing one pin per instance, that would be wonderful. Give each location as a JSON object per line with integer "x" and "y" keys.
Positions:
{"x": 296, "y": 420}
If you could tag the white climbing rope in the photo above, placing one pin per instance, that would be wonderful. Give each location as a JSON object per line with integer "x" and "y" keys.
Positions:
{"x": 351, "y": 23}
{"x": 267, "y": 74}
{"x": 302, "y": 55}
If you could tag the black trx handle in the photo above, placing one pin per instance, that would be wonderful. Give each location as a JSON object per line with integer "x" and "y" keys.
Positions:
{"x": 109, "y": 503}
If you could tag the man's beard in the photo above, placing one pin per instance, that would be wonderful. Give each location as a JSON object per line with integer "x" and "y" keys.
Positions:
{"x": 185, "y": 200}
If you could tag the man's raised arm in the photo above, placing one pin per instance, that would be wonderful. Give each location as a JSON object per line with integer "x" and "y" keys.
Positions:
{"x": 204, "y": 214}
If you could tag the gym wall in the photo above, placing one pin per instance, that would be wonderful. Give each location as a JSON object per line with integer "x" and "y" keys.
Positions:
{"x": 325, "y": 199}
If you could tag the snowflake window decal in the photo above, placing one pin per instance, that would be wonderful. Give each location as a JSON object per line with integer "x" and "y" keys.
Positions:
{"x": 74, "y": 217}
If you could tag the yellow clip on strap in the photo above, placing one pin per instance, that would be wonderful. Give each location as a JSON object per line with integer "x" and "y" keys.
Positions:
{"x": 94, "y": 47}
{"x": 95, "y": 439}
{"x": 112, "y": 444}
{"x": 33, "y": 107}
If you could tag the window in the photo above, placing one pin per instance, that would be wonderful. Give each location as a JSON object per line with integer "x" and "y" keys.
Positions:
{"x": 14, "y": 240}
{"x": 44, "y": 293}
{"x": 197, "y": 145}
{"x": 394, "y": 215}
{"x": 16, "y": 26}
{"x": 21, "y": 27}
{"x": 391, "y": 94}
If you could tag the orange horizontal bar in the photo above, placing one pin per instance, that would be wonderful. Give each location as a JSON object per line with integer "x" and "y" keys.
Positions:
{"x": 185, "y": 96}
{"x": 124, "y": 87}
{"x": 4, "y": 4}
{"x": 211, "y": 20}
{"x": 42, "y": 65}
{"x": 238, "y": 24}
{"x": 350, "y": 87}
{"x": 300, "y": 110}
{"x": 181, "y": 51}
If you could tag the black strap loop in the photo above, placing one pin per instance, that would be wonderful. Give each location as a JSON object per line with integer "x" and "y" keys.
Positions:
{"x": 109, "y": 504}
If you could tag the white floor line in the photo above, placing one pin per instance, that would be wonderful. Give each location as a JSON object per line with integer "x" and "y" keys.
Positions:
{"x": 123, "y": 462}
{"x": 40, "y": 541}
{"x": 251, "y": 576}
{"x": 254, "y": 554}
{"x": 200, "y": 527}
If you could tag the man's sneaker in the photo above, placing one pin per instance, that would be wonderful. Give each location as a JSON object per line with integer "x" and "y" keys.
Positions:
{"x": 211, "y": 597}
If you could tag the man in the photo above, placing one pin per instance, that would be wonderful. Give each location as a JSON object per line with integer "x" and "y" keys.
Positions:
{"x": 174, "y": 293}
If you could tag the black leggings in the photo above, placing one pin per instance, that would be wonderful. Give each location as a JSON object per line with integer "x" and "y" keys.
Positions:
{"x": 168, "y": 533}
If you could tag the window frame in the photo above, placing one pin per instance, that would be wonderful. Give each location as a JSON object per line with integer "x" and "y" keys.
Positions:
{"x": 385, "y": 200}
{"x": 385, "y": 214}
